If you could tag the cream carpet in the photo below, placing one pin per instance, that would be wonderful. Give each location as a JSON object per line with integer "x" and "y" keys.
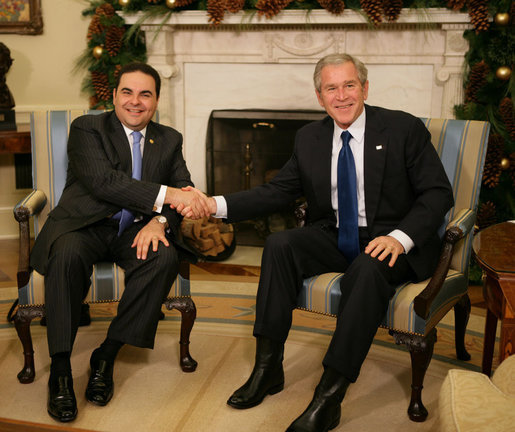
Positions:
{"x": 153, "y": 394}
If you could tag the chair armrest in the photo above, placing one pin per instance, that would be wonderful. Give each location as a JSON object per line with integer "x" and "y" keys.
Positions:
{"x": 457, "y": 229}
{"x": 23, "y": 211}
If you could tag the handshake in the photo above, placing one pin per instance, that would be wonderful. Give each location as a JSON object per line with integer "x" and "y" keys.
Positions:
{"x": 190, "y": 202}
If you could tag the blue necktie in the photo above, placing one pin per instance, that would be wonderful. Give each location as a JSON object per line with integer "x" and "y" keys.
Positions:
{"x": 126, "y": 216}
{"x": 348, "y": 236}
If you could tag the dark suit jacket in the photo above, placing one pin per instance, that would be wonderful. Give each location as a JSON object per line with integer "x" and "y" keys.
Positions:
{"x": 99, "y": 182}
{"x": 406, "y": 186}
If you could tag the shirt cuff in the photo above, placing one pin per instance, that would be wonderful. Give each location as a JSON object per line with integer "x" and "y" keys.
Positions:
{"x": 158, "y": 204}
{"x": 221, "y": 207}
{"x": 403, "y": 239}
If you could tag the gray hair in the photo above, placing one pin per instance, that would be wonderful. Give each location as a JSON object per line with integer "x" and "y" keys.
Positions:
{"x": 337, "y": 59}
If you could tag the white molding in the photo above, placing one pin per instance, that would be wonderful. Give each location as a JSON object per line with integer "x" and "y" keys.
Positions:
{"x": 295, "y": 17}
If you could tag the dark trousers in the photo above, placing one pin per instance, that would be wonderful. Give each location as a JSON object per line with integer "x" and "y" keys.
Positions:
{"x": 367, "y": 286}
{"x": 67, "y": 281}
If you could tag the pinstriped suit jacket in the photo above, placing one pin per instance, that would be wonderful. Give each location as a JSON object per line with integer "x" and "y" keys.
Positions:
{"x": 99, "y": 178}
{"x": 406, "y": 186}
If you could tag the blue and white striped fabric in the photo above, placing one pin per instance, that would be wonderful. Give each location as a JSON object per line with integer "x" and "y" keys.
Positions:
{"x": 49, "y": 132}
{"x": 461, "y": 146}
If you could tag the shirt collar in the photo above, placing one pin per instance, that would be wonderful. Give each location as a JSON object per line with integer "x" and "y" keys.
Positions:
{"x": 129, "y": 131}
{"x": 356, "y": 129}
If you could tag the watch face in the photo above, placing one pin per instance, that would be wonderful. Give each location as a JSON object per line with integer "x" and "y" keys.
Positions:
{"x": 161, "y": 219}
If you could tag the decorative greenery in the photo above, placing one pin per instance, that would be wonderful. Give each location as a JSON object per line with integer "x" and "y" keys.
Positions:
{"x": 488, "y": 84}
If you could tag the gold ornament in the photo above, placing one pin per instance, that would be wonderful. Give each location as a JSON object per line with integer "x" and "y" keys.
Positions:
{"x": 503, "y": 73}
{"x": 124, "y": 3}
{"x": 505, "y": 163}
{"x": 502, "y": 19}
{"x": 97, "y": 51}
{"x": 170, "y": 3}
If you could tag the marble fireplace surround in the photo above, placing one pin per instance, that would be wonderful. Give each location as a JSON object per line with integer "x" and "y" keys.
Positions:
{"x": 250, "y": 62}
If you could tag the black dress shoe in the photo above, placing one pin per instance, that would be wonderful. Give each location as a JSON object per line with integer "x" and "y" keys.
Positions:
{"x": 267, "y": 377}
{"x": 61, "y": 405}
{"x": 324, "y": 411}
{"x": 100, "y": 385}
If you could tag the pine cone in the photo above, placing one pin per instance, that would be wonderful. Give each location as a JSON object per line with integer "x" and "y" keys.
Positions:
{"x": 494, "y": 154}
{"x": 456, "y": 5}
{"x": 95, "y": 27}
{"x": 117, "y": 70}
{"x": 335, "y": 7}
{"x": 392, "y": 9}
{"x": 486, "y": 215}
{"x": 216, "y": 11}
{"x": 105, "y": 9}
{"x": 270, "y": 8}
{"x": 113, "y": 42}
{"x": 478, "y": 12}
{"x": 477, "y": 79}
{"x": 183, "y": 3}
{"x": 507, "y": 114}
{"x": 373, "y": 10}
{"x": 100, "y": 82}
{"x": 234, "y": 6}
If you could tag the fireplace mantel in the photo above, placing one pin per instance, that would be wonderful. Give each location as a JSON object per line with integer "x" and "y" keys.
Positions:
{"x": 415, "y": 64}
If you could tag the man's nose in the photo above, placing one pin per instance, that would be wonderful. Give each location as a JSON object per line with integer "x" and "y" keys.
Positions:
{"x": 341, "y": 93}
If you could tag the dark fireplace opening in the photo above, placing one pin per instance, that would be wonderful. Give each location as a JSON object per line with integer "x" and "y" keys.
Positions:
{"x": 246, "y": 148}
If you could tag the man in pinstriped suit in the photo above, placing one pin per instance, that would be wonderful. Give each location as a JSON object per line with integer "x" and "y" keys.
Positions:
{"x": 102, "y": 190}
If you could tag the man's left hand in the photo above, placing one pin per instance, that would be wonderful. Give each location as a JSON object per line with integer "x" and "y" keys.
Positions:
{"x": 153, "y": 232}
{"x": 383, "y": 246}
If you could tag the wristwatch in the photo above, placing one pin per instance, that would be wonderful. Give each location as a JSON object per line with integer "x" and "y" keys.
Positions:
{"x": 162, "y": 220}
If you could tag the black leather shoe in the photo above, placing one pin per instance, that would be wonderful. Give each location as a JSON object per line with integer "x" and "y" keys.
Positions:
{"x": 61, "y": 405}
{"x": 324, "y": 411}
{"x": 100, "y": 385}
{"x": 267, "y": 377}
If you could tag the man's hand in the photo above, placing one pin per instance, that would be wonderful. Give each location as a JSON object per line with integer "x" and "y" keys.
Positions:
{"x": 153, "y": 232}
{"x": 383, "y": 246}
{"x": 189, "y": 202}
{"x": 211, "y": 203}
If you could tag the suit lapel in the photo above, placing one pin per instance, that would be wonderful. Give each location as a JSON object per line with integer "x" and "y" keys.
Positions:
{"x": 120, "y": 142}
{"x": 321, "y": 154}
{"x": 376, "y": 146}
{"x": 151, "y": 153}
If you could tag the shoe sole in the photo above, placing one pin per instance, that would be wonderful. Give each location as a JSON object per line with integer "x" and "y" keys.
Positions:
{"x": 63, "y": 420}
{"x": 271, "y": 391}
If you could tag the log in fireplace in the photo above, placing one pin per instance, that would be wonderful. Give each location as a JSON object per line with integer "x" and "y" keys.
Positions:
{"x": 245, "y": 148}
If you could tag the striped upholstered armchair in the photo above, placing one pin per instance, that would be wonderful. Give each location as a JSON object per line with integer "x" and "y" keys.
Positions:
{"x": 49, "y": 131}
{"x": 416, "y": 308}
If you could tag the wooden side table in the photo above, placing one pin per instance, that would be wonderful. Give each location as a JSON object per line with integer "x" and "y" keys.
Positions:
{"x": 494, "y": 251}
{"x": 14, "y": 142}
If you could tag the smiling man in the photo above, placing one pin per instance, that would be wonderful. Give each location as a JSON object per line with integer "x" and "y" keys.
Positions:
{"x": 125, "y": 175}
{"x": 376, "y": 193}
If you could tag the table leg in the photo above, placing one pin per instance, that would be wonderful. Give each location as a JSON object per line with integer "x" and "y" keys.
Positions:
{"x": 489, "y": 342}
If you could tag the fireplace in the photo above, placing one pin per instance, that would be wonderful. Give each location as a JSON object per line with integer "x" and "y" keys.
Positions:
{"x": 245, "y": 148}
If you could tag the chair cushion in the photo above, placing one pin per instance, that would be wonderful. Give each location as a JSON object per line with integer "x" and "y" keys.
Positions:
{"x": 107, "y": 284}
{"x": 470, "y": 402}
{"x": 322, "y": 294}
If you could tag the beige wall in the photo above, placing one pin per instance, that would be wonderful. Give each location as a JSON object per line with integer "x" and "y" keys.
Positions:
{"x": 42, "y": 77}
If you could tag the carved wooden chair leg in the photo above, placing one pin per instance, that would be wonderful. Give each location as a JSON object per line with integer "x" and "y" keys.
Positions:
{"x": 22, "y": 320}
{"x": 421, "y": 351}
{"x": 186, "y": 307}
{"x": 461, "y": 318}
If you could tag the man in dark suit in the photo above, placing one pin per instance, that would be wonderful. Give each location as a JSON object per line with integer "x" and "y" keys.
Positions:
{"x": 373, "y": 214}
{"x": 124, "y": 174}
